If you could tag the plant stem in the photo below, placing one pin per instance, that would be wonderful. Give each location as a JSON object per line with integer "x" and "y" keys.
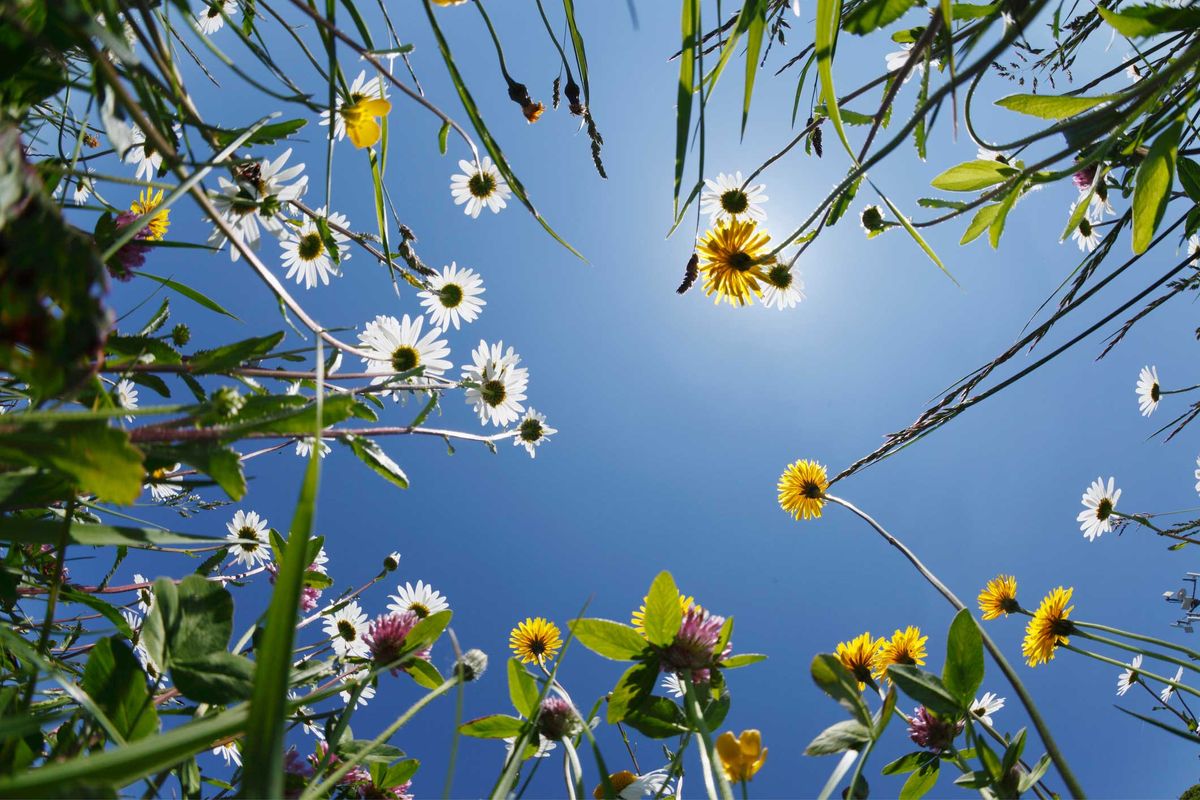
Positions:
{"x": 696, "y": 715}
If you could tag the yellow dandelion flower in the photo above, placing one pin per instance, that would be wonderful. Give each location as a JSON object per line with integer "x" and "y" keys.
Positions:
{"x": 802, "y": 489}
{"x": 905, "y": 647}
{"x": 743, "y": 756}
{"x": 639, "y": 617}
{"x": 999, "y": 597}
{"x": 1049, "y": 628}
{"x": 361, "y": 116}
{"x": 535, "y": 639}
{"x": 733, "y": 256}
{"x": 146, "y": 203}
{"x": 858, "y": 656}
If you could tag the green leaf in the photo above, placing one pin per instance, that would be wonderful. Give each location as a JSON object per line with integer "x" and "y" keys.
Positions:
{"x": 115, "y": 681}
{"x": 1189, "y": 177}
{"x": 495, "y": 726}
{"x": 1048, "y": 106}
{"x": 220, "y": 463}
{"x": 233, "y": 355}
{"x": 658, "y": 718}
{"x": 97, "y": 459}
{"x": 1148, "y": 20}
{"x": 980, "y": 222}
{"x": 971, "y": 176}
{"x": 914, "y": 235}
{"x": 427, "y": 631}
{"x": 381, "y": 753}
{"x": 909, "y": 762}
{"x": 841, "y": 205}
{"x": 874, "y": 14}
{"x": 690, "y": 15}
{"x": 996, "y": 229}
{"x": 443, "y": 137}
{"x": 424, "y": 674}
{"x": 849, "y": 734}
{"x": 399, "y": 774}
{"x": 921, "y": 781}
{"x": 835, "y": 680}
{"x": 1152, "y": 186}
{"x": 522, "y": 689}
{"x": 633, "y": 687}
{"x": 189, "y": 293}
{"x": 266, "y": 134}
{"x": 1190, "y": 736}
{"x": 188, "y": 621}
{"x": 40, "y": 531}
{"x": 373, "y": 456}
{"x": 217, "y": 678}
{"x": 755, "y": 11}
{"x": 609, "y": 639}
{"x": 926, "y": 688}
{"x": 825, "y": 42}
{"x": 716, "y": 711}
{"x": 742, "y": 660}
{"x": 1034, "y": 775}
{"x": 577, "y": 46}
{"x": 664, "y": 614}
{"x": 963, "y": 671}
{"x": 159, "y": 319}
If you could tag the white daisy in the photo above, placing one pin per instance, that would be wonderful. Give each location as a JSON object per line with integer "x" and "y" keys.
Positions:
{"x": 899, "y": 58}
{"x": 126, "y": 396}
{"x": 164, "y": 488}
{"x": 364, "y": 696}
{"x": 397, "y": 346}
{"x": 1148, "y": 390}
{"x": 212, "y": 16}
{"x": 259, "y": 197}
{"x": 251, "y": 527}
{"x": 478, "y": 187}
{"x": 118, "y": 131}
{"x": 422, "y": 600}
{"x": 229, "y": 752}
{"x": 784, "y": 289}
{"x": 145, "y": 595}
{"x": 1168, "y": 690}
{"x": 133, "y": 619}
{"x": 362, "y": 88}
{"x": 304, "y": 715}
{"x": 673, "y": 685}
{"x": 649, "y": 784}
{"x": 1194, "y": 247}
{"x": 500, "y": 383}
{"x": 532, "y": 431}
{"x": 318, "y": 563}
{"x": 84, "y": 186}
{"x": 725, "y": 199}
{"x": 145, "y": 156}
{"x": 1197, "y": 474}
{"x": 544, "y": 746}
{"x": 453, "y": 297}
{"x": 345, "y": 628}
{"x": 1086, "y": 234}
{"x": 305, "y": 254}
{"x": 987, "y": 705}
{"x": 1099, "y": 502}
{"x": 1129, "y": 677}
{"x": 1100, "y": 204}
{"x": 984, "y": 154}
{"x": 304, "y": 446}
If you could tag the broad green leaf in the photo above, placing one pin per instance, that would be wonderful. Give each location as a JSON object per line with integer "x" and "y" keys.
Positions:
{"x": 909, "y": 762}
{"x": 657, "y": 718}
{"x": 266, "y": 134}
{"x": 972, "y": 11}
{"x": 1035, "y": 774}
{"x": 372, "y": 753}
{"x": 687, "y": 88}
{"x": 1048, "y": 106}
{"x": 874, "y": 14}
{"x": 115, "y": 681}
{"x": 1148, "y": 20}
{"x": 1152, "y": 186}
{"x": 373, "y": 456}
{"x": 424, "y": 674}
{"x": 963, "y": 671}
{"x": 825, "y": 42}
{"x": 204, "y": 620}
{"x": 664, "y": 614}
{"x": 835, "y": 680}
{"x": 633, "y": 687}
{"x": 996, "y": 229}
{"x": 40, "y": 531}
{"x": 96, "y": 458}
{"x": 609, "y": 639}
{"x": 926, "y": 688}
{"x": 217, "y": 461}
{"x": 427, "y": 631}
{"x": 743, "y": 660}
{"x": 1189, "y": 177}
{"x": 849, "y": 734}
{"x": 716, "y": 711}
{"x": 980, "y": 222}
{"x": 920, "y": 781}
{"x": 522, "y": 689}
{"x": 233, "y": 355}
{"x": 971, "y": 176}
{"x": 495, "y": 726}
{"x": 217, "y": 678}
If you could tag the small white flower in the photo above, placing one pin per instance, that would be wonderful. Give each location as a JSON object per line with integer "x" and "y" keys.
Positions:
{"x": 649, "y": 784}
{"x": 544, "y": 746}
{"x": 1149, "y": 392}
{"x": 397, "y": 346}
{"x": 1129, "y": 677}
{"x": 146, "y": 157}
{"x": 453, "y": 297}
{"x": 364, "y": 696}
{"x": 304, "y": 715}
{"x": 478, "y": 187}
{"x": 1100, "y": 204}
{"x": 1099, "y": 502}
{"x": 899, "y": 58}
{"x": 673, "y": 685}
{"x": 362, "y": 88}
{"x": 133, "y": 619}
{"x": 318, "y": 563}
{"x": 229, "y": 752}
{"x": 84, "y": 186}
{"x": 987, "y": 705}
{"x": 304, "y": 446}
{"x": 145, "y": 596}
{"x": 250, "y": 526}
{"x": 1197, "y": 474}
{"x": 1086, "y": 234}
{"x": 211, "y": 18}
{"x": 501, "y": 384}
{"x": 305, "y": 254}
{"x": 1194, "y": 247}
{"x": 345, "y": 628}
{"x": 784, "y": 289}
{"x": 532, "y": 431}
{"x": 1168, "y": 690}
{"x": 259, "y": 197}
{"x": 984, "y": 154}
{"x": 162, "y": 487}
{"x": 725, "y": 199}
{"x": 126, "y": 396}
{"x": 422, "y": 600}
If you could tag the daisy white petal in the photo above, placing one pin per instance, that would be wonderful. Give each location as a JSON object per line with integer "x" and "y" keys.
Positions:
{"x": 1099, "y": 502}
{"x": 1149, "y": 392}
{"x": 421, "y": 599}
{"x": 478, "y": 187}
{"x": 453, "y": 297}
{"x": 397, "y": 346}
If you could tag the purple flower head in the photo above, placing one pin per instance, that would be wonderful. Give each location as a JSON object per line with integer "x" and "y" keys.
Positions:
{"x": 132, "y": 254}
{"x": 694, "y": 645}
{"x": 296, "y": 774}
{"x": 1083, "y": 179}
{"x": 932, "y": 732}
{"x": 557, "y": 719}
{"x": 309, "y": 598}
{"x": 358, "y": 775}
{"x": 386, "y": 634}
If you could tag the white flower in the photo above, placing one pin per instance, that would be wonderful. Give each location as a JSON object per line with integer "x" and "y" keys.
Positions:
{"x": 501, "y": 384}
{"x": 118, "y": 131}
{"x": 422, "y": 600}
{"x": 1099, "y": 502}
{"x": 1148, "y": 390}
{"x": 304, "y": 446}
{"x": 126, "y": 396}
{"x": 1197, "y": 474}
{"x": 132, "y": 618}
{"x": 649, "y": 784}
{"x": 212, "y": 17}
{"x": 1100, "y": 204}
{"x": 145, "y": 596}
{"x": 784, "y": 289}
{"x": 362, "y": 88}
{"x": 250, "y": 526}
{"x": 453, "y": 297}
{"x": 229, "y": 752}
{"x": 84, "y": 186}
{"x": 984, "y": 154}
{"x": 304, "y": 715}
{"x": 673, "y": 685}
{"x": 305, "y": 254}
{"x": 532, "y": 431}
{"x": 259, "y": 197}
{"x": 899, "y": 58}
{"x": 724, "y": 199}
{"x": 1129, "y": 677}
{"x": 318, "y": 563}
{"x": 478, "y": 187}
{"x": 544, "y": 746}
{"x": 1168, "y": 690}
{"x": 987, "y": 705}
{"x": 162, "y": 487}
{"x": 146, "y": 157}
{"x": 796, "y": 7}
{"x": 364, "y": 696}
{"x": 346, "y": 628}
{"x": 397, "y": 346}
{"x": 1194, "y": 247}
{"x": 1086, "y": 235}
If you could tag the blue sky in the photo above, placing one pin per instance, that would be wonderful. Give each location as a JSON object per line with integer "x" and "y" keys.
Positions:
{"x": 676, "y": 417}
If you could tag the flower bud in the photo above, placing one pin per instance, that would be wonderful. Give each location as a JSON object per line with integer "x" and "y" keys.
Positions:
{"x": 472, "y": 665}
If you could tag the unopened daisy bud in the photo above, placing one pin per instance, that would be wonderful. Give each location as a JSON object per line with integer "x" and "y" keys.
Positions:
{"x": 557, "y": 719}
{"x": 391, "y": 561}
{"x": 181, "y": 334}
{"x": 227, "y": 401}
{"x": 472, "y": 665}
{"x": 872, "y": 219}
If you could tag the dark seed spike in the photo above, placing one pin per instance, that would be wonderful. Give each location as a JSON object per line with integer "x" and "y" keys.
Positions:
{"x": 690, "y": 274}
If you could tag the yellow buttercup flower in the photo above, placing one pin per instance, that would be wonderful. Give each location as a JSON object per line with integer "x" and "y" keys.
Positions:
{"x": 905, "y": 647}
{"x": 360, "y": 117}
{"x": 1049, "y": 628}
{"x": 146, "y": 203}
{"x": 858, "y": 656}
{"x": 999, "y": 597}
{"x": 802, "y": 489}
{"x": 742, "y": 757}
{"x": 733, "y": 256}
{"x": 639, "y": 617}
{"x": 535, "y": 639}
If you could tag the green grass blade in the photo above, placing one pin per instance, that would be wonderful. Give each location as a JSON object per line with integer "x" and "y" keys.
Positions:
{"x": 829, "y": 12}
{"x": 580, "y": 54}
{"x": 754, "y": 40}
{"x": 189, "y": 293}
{"x": 687, "y": 88}
{"x": 903, "y": 220}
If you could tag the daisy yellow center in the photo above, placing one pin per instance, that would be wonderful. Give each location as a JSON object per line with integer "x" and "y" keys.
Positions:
{"x": 481, "y": 184}
{"x": 159, "y": 474}
{"x": 620, "y": 782}
{"x": 248, "y": 533}
{"x": 531, "y": 430}
{"x": 346, "y": 630}
{"x": 780, "y": 276}
{"x": 450, "y": 295}
{"x": 310, "y": 246}
{"x": 735, "y": 201}
{"x": 420, "y": 610}
{"x": 493, "y": 392}
{"x": 405, "y": 358}
{"x": 1104, "y": 509}
{"x": 242, "y": 204}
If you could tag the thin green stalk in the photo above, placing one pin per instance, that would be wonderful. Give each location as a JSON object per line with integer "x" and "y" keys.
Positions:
{"x": 696, "y": 717}
{"x": 52, "y": 601}
{"x": 1183, "y": 687}
{"x": 1130, "y": 648}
